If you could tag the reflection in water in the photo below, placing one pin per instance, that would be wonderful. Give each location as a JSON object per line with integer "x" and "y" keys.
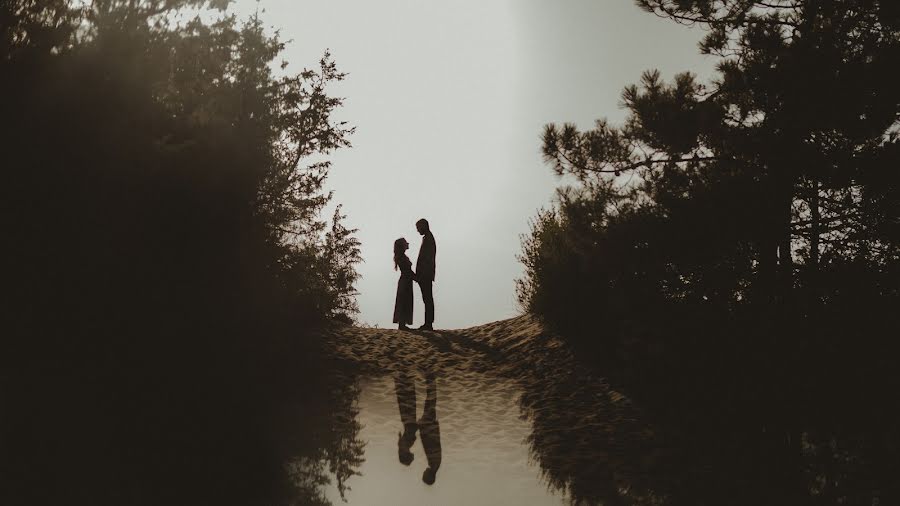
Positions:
{"x": 512, "y": 396}
{"x": 595, "y": 445}
{"x": 483, "y": 456}
{"x": 474, "y": 441}
{"x": 406, "y": 401}
{"x": 337, "y": 452}
{"x": 276, "y": 441}
{"x": 428, "y": 426}
{"x": 430, "y": 430}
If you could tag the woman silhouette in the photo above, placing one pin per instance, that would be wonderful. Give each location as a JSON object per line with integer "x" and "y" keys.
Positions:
{"x": 405, "y": 387}
{"x": 403, "y": 305}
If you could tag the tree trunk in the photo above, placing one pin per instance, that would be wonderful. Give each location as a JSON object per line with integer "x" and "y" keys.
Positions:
{"x": 785, "y": 201}
{"x": 815, "y": 223}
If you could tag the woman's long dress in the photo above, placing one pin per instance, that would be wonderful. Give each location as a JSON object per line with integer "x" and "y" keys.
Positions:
{"x": 403, "y": 305}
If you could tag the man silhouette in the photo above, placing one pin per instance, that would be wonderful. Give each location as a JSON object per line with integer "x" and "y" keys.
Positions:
{"x": 430, "y": 430}
{"x": 425, "y": 268}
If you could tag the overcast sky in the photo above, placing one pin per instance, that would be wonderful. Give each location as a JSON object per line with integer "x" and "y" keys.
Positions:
{"x": 449, "y": 99}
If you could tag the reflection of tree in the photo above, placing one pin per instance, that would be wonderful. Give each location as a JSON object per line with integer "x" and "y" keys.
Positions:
{"x": 340, "y": 454}
{"x": 344, "y": 452}
{"x": 589, "y": 442}
{"x": 593, "y": 445}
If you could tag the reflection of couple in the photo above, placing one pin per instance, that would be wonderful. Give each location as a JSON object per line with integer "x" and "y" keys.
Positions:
{"x": 424, "y": 275}
{"x": 428, "y": 426}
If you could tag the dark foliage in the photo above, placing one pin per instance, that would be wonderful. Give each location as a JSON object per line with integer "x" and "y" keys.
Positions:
{"x": 166, "y": 262}
{"x": 731, "y": 252}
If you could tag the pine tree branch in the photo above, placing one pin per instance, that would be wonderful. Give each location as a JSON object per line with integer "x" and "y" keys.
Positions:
{"x": 642, "y": 163}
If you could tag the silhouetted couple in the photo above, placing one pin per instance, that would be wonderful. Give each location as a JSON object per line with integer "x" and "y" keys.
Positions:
{"x": 427, "y": 426}
{"x": 424, "y": 275}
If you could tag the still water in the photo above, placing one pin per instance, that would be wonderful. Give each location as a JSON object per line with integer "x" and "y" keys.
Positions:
{"x": 483, "y": 445}
{"x": 505, "y": 414}
{"x": 502, "y": 412}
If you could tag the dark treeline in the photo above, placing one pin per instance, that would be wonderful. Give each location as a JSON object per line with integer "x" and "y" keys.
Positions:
{"x": 730, "y": 255}
{"x": 166, "y": 261}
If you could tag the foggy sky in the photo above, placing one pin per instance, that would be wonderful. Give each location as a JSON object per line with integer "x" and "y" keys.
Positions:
{"x": 449, "y": 99}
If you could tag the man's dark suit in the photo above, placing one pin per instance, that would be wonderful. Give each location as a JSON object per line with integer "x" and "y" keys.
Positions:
{"x": 425, "y": 269}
